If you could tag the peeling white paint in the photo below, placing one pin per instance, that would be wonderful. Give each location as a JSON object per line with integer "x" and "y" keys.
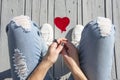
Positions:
{"x": 23, "y": 21}
{"x": 105, "y": 26}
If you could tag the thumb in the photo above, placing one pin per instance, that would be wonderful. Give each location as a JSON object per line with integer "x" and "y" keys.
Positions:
{"x": 60, "y": 47}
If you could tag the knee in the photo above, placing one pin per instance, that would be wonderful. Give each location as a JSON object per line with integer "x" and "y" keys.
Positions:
{"x": 23, "y": 22}
{"x": 105, "y": 26}
{"x": 102, "y": 26}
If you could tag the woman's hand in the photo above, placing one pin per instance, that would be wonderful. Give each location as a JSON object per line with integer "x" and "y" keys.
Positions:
{"x": 54, "y": 50}
{"x": 70, "y": 55}
{"x": 49, "y": 59}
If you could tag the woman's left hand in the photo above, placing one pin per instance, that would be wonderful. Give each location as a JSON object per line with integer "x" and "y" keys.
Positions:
{"x": 54, "y": 50}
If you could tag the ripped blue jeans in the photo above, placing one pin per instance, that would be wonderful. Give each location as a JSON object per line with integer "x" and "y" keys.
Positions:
{"x": 96, "y": 49}
{"x": 26, "y": 48}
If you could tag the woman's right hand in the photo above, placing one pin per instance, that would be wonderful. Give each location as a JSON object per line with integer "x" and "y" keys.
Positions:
{"x": 70, "y": 55}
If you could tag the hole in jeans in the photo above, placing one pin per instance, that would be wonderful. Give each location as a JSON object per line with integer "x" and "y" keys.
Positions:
{"x": 105, "y": 26}
{"x": 23, "y": 21}
{"x": 20, "y": 64}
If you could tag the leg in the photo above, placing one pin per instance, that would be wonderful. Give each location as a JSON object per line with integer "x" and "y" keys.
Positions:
{"x": 26, "y": 47}
{"x": 76, "y": 38}
{"x": 5, "y": 74}
{"x": 96, "y": 49}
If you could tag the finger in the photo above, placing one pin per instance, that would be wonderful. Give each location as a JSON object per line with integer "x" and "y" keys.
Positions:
{"x": 54, "y": 45}
{"x": 60, "y": 47}
{"x": 69, "y": 45}
{"x": 56, "y": 42}
{"x": 61, "y": 39}
{"x": 63, "y": 52}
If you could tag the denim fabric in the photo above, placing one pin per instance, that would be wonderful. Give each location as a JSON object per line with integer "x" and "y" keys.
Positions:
{"x": 96, "y": 51}
{"x": 26, "y": 49}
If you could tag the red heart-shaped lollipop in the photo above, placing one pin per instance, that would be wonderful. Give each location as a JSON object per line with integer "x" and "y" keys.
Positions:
{"x": 61, "y": 23}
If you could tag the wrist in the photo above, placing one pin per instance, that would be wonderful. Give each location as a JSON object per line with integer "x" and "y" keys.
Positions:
{"x": 41, "y": 70}
{"x": 47, "y": 60}
{"x": 77, "y": 73}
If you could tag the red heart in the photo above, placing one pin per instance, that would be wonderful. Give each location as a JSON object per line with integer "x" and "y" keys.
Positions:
{"x": 61, "y": 23}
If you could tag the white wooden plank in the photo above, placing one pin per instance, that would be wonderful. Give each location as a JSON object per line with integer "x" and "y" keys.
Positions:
{"x": 64, "y": 8}
{"x": 60, "y": 11}
{"x": 113, "y": 73}
{"x": 7, "y": 13}
{"x": 108, "y": 14}
{"x": 0, "y": 6}
{"x": 108, "y": 9}
{"x": 50, "y": 19}
{"x": 17, "y": 7}
{"x": 50, "y": 16}
{"x": 43, "y": 12}
{"x": 99, "y": 8}
{"x": 4, "y": 59}
{"x": 79, "y": 12}
{"x": 4, "y": 48}
{"x": 36, "y": 11}
{"x": 20, "y": 7}
{"x": 92, "y": 9}
{"x": 116, "y": 13}
{"x": 87, "y": 11}
{"x": 28, "y": 8}
{"x": 71, "y": 12}
{"x": 0, "y": 17}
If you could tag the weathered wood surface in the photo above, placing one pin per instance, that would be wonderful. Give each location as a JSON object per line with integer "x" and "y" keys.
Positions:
{"x": 116, "y": 20}
{"x": 44, "y": 11}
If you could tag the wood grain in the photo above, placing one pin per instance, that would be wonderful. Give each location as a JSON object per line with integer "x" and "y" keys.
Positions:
{"x": 44, "y": 11}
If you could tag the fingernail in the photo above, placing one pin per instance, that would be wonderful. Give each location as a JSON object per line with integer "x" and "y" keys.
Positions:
{"x": 62, "y": 44}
